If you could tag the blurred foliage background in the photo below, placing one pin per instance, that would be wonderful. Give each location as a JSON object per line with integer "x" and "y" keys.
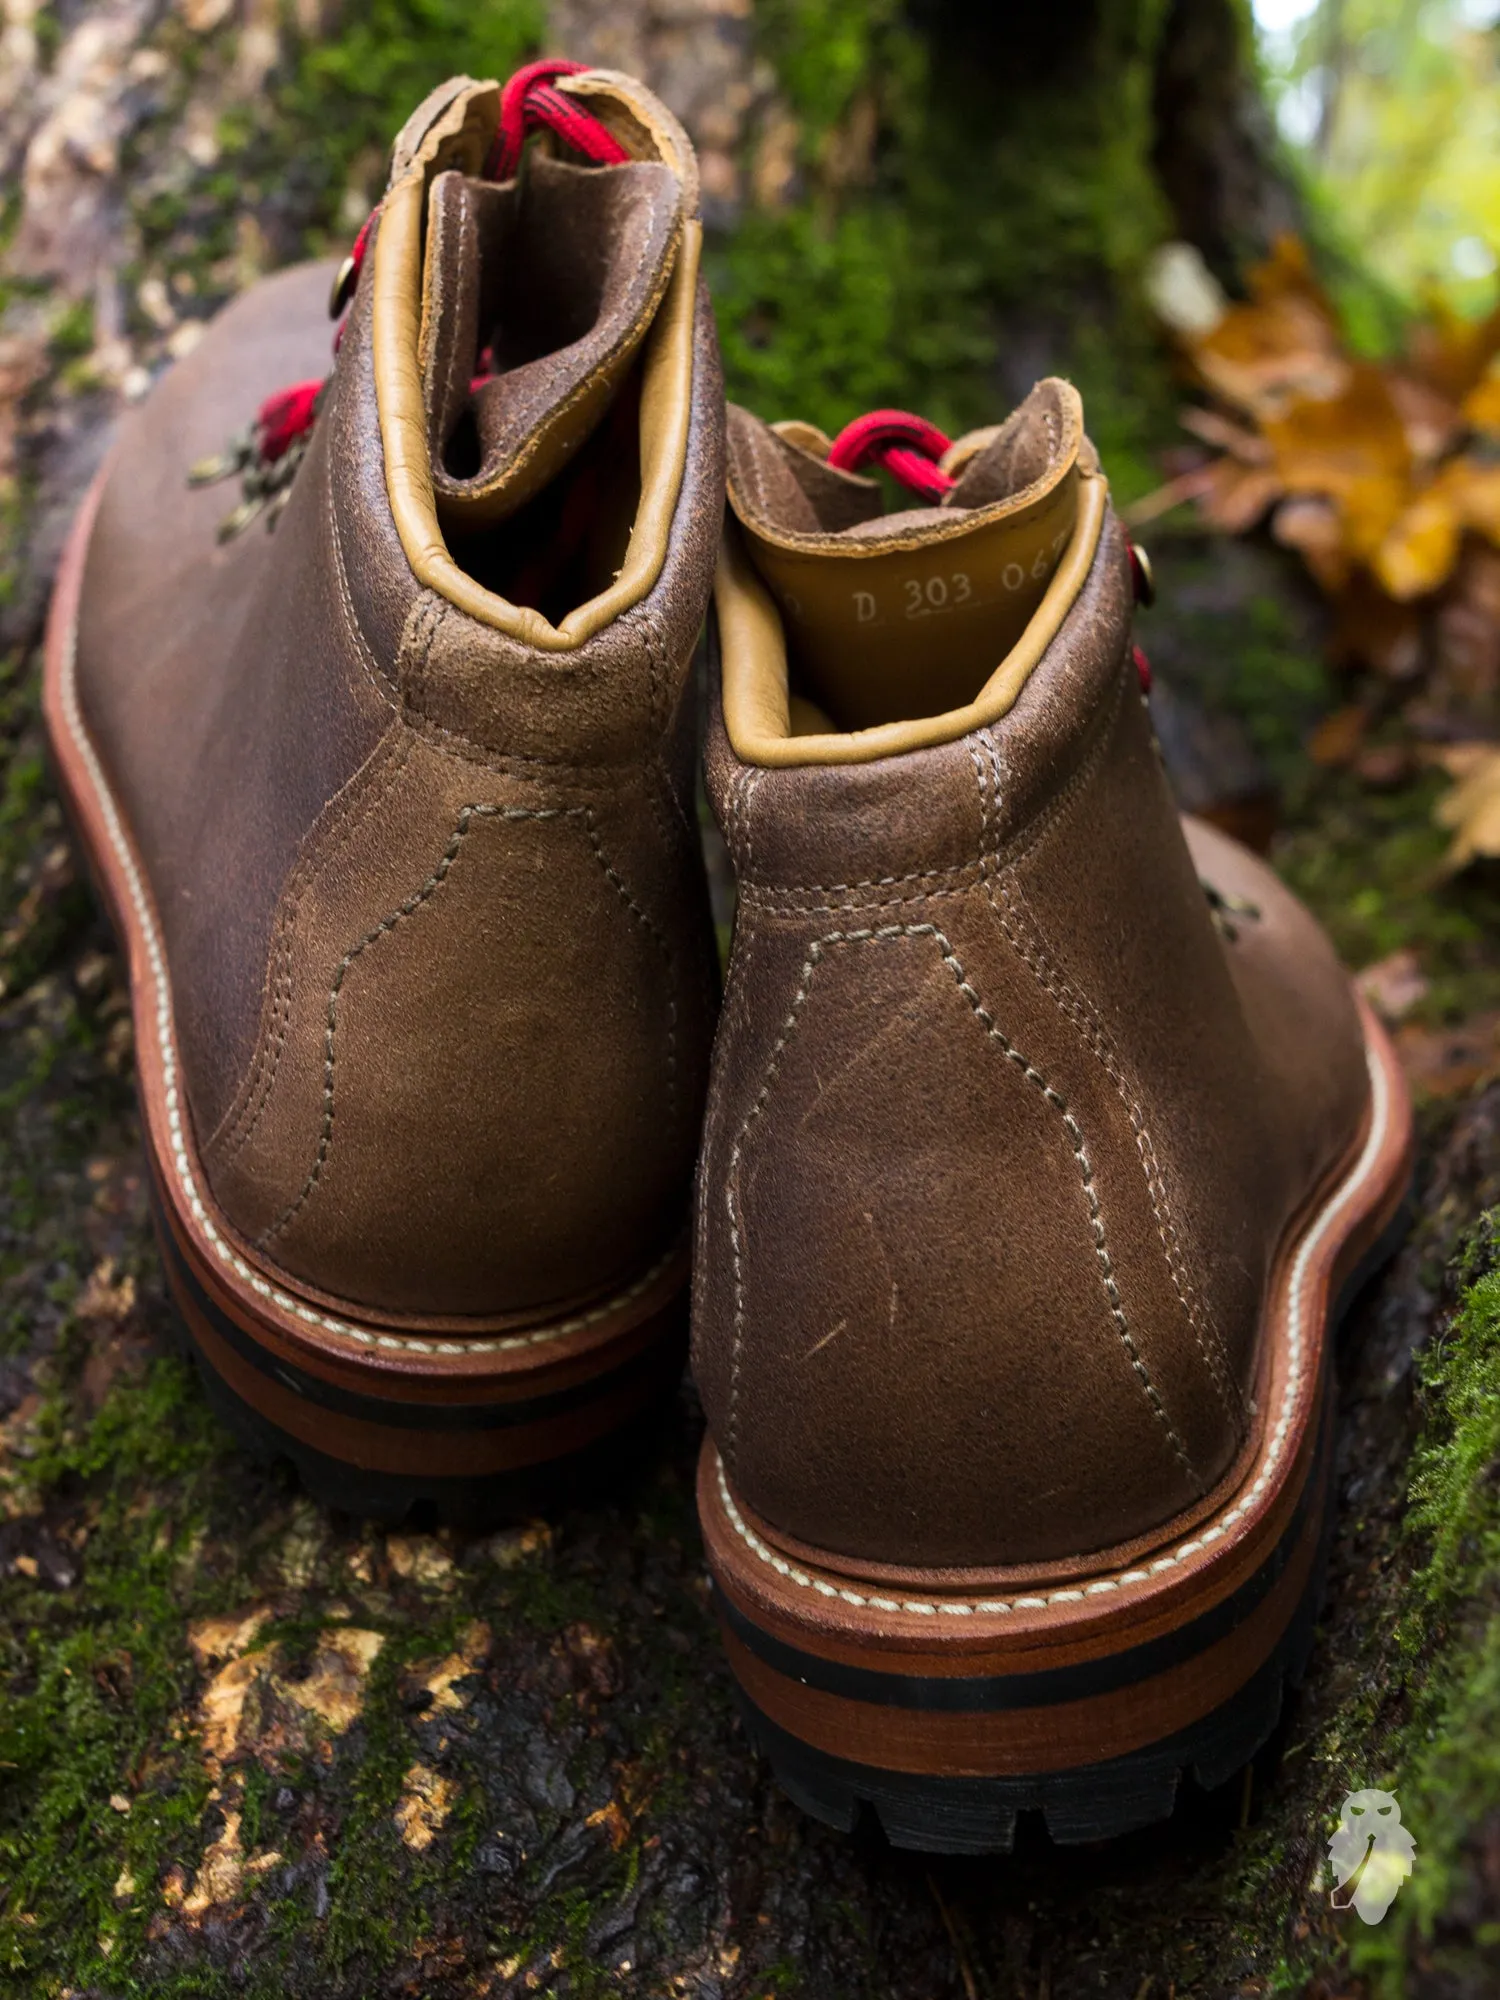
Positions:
{"x": 1392, "y": 110}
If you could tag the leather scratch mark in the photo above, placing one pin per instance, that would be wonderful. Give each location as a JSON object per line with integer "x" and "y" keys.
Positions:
{"x": 832, "y": 1334}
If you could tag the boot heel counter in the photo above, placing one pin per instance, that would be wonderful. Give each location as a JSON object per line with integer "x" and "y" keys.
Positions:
{"x": 928, "y": 1326}
{"x": 492, "y": 1046}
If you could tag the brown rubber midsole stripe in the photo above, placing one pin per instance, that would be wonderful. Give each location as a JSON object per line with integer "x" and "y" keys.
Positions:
{"x": 1021, "y": 1685}
{"x": 406, "y": 1449}
{"x": 955, "y": 1650}
{"x": 359, "y": 1380}
{"x": 1023, "y": 1742}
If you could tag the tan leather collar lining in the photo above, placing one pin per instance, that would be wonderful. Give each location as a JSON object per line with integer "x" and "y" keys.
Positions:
{"x": 459, "y": 138}
{"x": 753, "y": 651}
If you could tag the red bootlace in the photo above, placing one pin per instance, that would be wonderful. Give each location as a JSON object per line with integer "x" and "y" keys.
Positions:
{"x": 528, "y": 104}
{"x": 909, "y": 448}
{"x": 906, "y": 445}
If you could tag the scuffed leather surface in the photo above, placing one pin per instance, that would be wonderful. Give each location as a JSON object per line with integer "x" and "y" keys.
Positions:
{"x": 504, "y": 1114}
{"x": 200, "y": 668}
{"x": 1002, "y": 1133}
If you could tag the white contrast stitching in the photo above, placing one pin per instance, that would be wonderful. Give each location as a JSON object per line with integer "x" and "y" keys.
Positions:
{"x": 1059, "y": 1103}
{"x": 262, "y": 1287}
{"x": 1076, "y": 1007}
{"x": 1272, "y": 1449}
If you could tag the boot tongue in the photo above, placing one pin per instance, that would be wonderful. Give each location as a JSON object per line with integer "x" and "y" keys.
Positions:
{"x": 537, "y": 293}
{"x": 893, "y": 616}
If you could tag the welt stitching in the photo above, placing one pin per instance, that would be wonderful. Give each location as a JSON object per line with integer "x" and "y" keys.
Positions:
{"x": 386, "y": 925}
{"x": 884, "y": 933}
{"x": 380, "y": 681}
{"x": 1021, "y": 931}
{"x": 257, "y": 1092}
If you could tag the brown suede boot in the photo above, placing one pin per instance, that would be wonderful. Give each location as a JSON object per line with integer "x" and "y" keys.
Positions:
{"x": 393, "y": 806}
{"x": 1044, "y": 1136}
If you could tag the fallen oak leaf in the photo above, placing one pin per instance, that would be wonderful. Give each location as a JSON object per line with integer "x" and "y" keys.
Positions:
{"x": 1481, "y": 407}
{"x": 1248, "y": 446}
{"x": 1310, "y": 524}
{"x": 1176, "y": 493}
{"x": 1350, "y": 448}
{"x": 1446, "y": 1062}
{"x": 1237, "y": 496}
{"x": 1471, "y": 811}
{"x": 1420, "y": 549}
{"x": 1452, "y": 353}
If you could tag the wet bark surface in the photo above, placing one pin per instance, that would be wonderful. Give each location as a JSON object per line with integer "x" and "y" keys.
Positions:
{"x": 249, "y": 1746}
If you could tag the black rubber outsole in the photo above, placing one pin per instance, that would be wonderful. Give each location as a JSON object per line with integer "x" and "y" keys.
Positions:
{"x": 1104, "y": 1801}
{"x": 396, "y": 1500}
{"x": 1095, "y": 1802}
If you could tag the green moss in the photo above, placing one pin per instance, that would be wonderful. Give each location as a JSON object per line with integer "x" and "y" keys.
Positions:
{"x": 1445, "y": 1761}
{"x": 346, "y": 98}
{"x": 893, "y": 282}
{"x": 95, "y": 1681}
{"x": 1369, "y": 864}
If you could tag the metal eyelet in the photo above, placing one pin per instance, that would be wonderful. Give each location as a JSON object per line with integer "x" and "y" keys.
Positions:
{"x": 1143, "y": 576}
{"x": 343, "y": 286}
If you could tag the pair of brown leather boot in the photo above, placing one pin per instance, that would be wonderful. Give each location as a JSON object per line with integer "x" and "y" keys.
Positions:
{"x": 1038, "y": 1135}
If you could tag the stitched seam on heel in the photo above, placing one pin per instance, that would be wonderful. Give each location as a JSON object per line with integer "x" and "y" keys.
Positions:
{"x": 884, "y": 934}
{"x": 1019, "y": 926}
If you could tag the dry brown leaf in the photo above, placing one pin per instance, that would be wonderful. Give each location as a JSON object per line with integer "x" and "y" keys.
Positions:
{"x": 1445, "y": 1062}
{"x": 1432, "y": 421}
{"x": 1452, "y": 353}
{"x": 1311, "y": 525}
{"x": 215, "y": 1639}
{"x": 105, "y": 1297}
{"x": 1213, "y": 428}
{"x": 1481, "y": 406}
{"x": 1351, "y": 449}
{"x": 612, "y": 1819}
{"x": 1420, "y": 550}
{"x": 1237, "y": 496}
{"x": 228, "y": 1717}
{"x": 419, "y": 1558}
{"x": 1283, "y": 344}
{"x": 1471, "y": 811}
{"x": 219, "y": 1872}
